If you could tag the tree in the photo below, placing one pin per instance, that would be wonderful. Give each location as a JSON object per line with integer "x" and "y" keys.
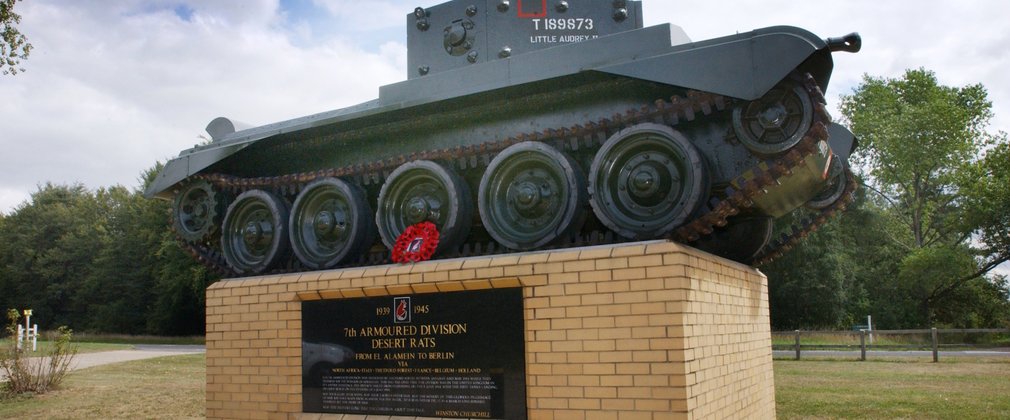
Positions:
{"x": 49, "y": 244}
{"x": 833, "y": 279}
{"x": 14, "y": 47}
{"x": 120, "y": 285}
{"x": 179, "y": 282}
{"x": 987, "y": 196}
{"x": 921, "y": 144}
{"x": 104, "y": 260}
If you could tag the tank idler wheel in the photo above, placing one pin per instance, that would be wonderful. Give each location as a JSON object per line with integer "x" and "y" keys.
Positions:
{"x": 646, "y": 180}
{"x": 254, "y": 235}
{"x": 330, "y": 222}
{"x": 530, "y": 195}
{"x": 421, "y": 191}
{"x": 834, "y": 187}
{"x": 197, "y": 211}
{"x": 775, "y": 122}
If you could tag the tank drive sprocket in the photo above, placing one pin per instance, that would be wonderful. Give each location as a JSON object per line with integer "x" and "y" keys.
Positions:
{"x": 197, "y": 211}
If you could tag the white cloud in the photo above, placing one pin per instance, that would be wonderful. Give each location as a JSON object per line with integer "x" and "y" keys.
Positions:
{"x": 111, "y": 89}
{"x": 355, "y": 15}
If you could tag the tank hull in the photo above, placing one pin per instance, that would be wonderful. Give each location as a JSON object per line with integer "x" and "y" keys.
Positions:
{"x": 577, "y": 99}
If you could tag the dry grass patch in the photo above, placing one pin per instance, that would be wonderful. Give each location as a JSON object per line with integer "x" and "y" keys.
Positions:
{"x": 165, "y": 387}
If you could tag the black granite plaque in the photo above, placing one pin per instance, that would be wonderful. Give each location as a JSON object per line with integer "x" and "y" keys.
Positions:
{"x": 455, "y": 354}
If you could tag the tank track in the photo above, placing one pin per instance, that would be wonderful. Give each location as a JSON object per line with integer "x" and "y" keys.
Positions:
{"x": 570, "y": 139}
{"x": 797, "y": 232}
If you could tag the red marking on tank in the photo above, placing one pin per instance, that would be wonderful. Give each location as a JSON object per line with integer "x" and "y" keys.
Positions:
{"x": 401, "y": 310}
{"x": 540, "y": 14}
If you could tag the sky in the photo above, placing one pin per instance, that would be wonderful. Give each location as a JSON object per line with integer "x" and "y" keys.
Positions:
{"x": 112, "y": 87}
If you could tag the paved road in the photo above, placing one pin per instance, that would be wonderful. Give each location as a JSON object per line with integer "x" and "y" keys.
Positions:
{"x": 870, "y": 354}
{"x": 140, "y": 351}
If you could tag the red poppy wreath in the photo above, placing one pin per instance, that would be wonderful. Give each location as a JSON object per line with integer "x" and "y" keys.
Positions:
{"x": 416, "y": 243}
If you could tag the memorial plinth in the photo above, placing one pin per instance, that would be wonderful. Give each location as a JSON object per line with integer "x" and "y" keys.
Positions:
{"x": 650, "y": 330}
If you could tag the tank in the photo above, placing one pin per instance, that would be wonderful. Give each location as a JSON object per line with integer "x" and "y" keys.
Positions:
{"x": 526, "y": 125}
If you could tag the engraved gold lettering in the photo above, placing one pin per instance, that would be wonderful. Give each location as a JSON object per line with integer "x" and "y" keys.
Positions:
{"x": 443, "y": 329}
{"x": 389, "y": 343}
{"x": 366, "y": 356}
{"x": 388, "y": 331}
{"x": 425, "y": 342}
{"x": 448, "y": 355}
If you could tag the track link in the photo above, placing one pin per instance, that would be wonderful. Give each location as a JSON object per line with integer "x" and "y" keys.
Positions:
{"x": 590, "y": 134}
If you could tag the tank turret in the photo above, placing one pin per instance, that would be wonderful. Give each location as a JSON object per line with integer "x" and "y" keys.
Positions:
{"x": 526, "y": 125}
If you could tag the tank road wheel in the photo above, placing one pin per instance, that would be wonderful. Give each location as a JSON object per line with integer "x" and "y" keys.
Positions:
{"x": 775, "y": 122}
{"x": 530, "y": 195}
{"x": 254, "y": 235}
{"x": 646, "y": 180}
{"x": 424, "y": 191}
{"x": 330, "y": 222}
{"x": 835, "y": 186}
{"x": 196, "y": 211}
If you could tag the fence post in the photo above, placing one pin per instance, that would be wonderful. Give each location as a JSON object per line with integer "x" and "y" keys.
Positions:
{"x": 797, "y": 344}
{"x": 936, "y": 353}
{"x": 862, "y": 345}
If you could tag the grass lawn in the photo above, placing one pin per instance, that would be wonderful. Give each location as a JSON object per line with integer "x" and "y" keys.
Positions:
{"x": 963, "y": 388}
{"x": 165, "y": 387}
{"x": 43, "y": 346}
{"x": 954, "y": 389}
{"x": 136, "y": 339}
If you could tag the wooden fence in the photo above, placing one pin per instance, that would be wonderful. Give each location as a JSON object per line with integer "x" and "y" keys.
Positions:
{"x": 866, "y": 338}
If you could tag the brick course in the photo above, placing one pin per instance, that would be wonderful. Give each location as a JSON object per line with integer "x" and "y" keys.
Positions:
{"x": 647, "y": 330}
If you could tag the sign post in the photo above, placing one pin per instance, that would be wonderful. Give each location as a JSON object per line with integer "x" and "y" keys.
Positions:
{"x": 28, "y": 332}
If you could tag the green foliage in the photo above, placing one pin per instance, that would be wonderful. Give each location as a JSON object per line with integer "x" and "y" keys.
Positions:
{"x": 811, "y": 289}
{"x": 922, "y": 144}
{"x": 179, "y": 288}
{"x": 49, "y": 246}
{"x": 103, "y": 261}
{"x": 14, "y": 47}
{"x": 916, "y": 138}
{"x": 923, "y": 272}
{"x": 39, "y": 375}
{"x": 987, "y": 198}
{"x": 914, "y": 248}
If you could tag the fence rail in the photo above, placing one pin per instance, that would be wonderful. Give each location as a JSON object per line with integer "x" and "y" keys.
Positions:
{"x": 864, "y": 335}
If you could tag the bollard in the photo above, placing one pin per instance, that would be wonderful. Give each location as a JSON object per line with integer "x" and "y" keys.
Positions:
{"x": 936, "y": 353}
{"x": 797, "y": 344}
{"x": 862, "y": 345}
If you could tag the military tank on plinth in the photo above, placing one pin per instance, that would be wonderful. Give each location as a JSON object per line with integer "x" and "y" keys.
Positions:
{"x": 526, "y": 125}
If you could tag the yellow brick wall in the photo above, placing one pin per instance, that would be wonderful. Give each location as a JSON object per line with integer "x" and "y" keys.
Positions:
{"x": 648, "y": 330}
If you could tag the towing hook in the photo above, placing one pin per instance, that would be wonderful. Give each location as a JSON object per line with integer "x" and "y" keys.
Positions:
{"x": 848, "y": 43}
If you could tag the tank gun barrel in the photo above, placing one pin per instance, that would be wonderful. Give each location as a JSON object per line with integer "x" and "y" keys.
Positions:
{"x": 848, "y": 43}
